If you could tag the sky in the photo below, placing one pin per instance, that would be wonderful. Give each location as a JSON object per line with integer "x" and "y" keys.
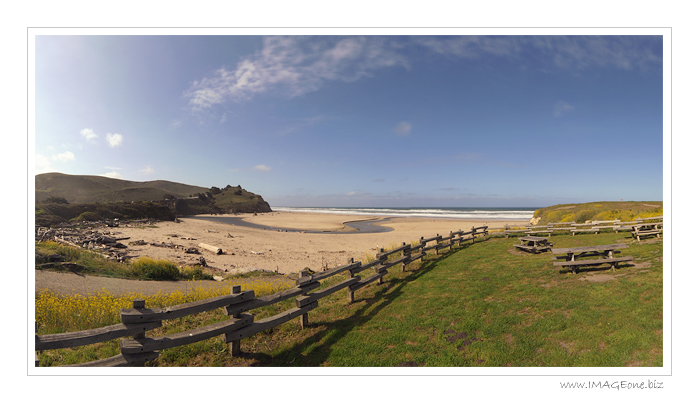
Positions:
{"x": 358, "y": 120}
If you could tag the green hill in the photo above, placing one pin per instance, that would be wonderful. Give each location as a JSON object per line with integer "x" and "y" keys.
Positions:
{"x": 94, "y": 188}
{"x": 581, "y": 212}
{"x": 65, "y": 198}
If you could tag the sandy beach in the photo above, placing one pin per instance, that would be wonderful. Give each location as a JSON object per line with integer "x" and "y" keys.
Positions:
{"x": 246, "y": 249}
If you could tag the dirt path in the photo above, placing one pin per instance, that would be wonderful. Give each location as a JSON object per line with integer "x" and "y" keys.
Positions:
{"x": 67, "y": 283}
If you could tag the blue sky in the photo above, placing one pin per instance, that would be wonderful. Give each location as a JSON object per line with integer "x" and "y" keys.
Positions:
{"x": 352, "y": 121}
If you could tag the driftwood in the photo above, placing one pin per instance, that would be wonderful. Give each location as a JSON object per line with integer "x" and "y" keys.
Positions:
{"x": 215, "y": 250}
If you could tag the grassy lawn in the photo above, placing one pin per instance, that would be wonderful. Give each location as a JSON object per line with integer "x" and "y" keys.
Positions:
{"x": 490, "y": 305}
{"x": 485, "y": 304}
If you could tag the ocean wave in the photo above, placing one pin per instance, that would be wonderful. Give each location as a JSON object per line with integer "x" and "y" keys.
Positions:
{"x": 447, "y": 213}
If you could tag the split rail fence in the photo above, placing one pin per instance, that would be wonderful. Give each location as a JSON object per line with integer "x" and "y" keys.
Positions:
{"x": 577, "y": 228}
{"x": 139, "y": 349}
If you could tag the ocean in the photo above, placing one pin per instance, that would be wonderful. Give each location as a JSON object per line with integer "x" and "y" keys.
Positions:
{"x": 443, "y": 213}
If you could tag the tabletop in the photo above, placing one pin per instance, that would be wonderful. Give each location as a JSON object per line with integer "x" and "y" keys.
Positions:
{"x": 606, "y": 247}
{"x": 533, "y": 238}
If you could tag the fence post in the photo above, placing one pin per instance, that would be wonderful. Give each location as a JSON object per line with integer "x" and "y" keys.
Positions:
{"x": 351, "y": 293}
{"x": 437, "y": 242}
{"x": 36, "y": 354}
{"x": 139, "y": 304}
{"x": 381, "y": 261}
{"x": 404, "y": 255}
{"x": 304, "y": 319}
{"x": 422, "y": 248}
{"x": 234, "y": 347}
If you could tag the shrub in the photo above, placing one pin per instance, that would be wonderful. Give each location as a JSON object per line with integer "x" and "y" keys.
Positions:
{"x": 583, "y": 216}
{"x": 195, "y": 273}
{"x": 56, "y": 199}
{"x": 88, "y": 217}
{"x": 159, "y": 270}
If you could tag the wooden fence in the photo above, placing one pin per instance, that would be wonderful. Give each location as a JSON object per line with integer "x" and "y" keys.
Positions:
{"x": 139, "y": 349}
{"x": 595, "y": 226}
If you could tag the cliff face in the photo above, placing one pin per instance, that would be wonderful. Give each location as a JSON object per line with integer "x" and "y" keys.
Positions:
{"x": 187, "y": 207}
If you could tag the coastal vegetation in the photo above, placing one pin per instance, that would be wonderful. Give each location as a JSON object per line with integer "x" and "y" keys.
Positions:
{"x": 52, "y": 255}
{"x": 483, "y": 304}
{"x": 583, "y": 212}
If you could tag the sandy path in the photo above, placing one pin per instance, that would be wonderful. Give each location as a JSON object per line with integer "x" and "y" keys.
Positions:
{"x": 67, "y": 283}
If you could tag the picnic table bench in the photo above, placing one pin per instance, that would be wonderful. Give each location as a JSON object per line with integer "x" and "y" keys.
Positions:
{"x": 647, "y": 229}
{"x": 534, "y": 244}
{"x": 574, "y": 254}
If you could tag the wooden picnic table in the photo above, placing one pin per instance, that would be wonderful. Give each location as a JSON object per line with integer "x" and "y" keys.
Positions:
{"x": 574, "y": 254}
{"x": 646, "y": 229}
{"x": 534, "y": 244}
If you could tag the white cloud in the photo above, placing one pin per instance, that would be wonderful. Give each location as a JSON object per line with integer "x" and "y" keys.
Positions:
{"x": 262, "y": 167}
{"x": 88, "y": 134}
{"x": 114, "y": 139}
{"x": 562, "y": 107}
{"x": 63, "y": 157}
{"x": 42, "y": 164}
{"x": 146, "y": 170}
{"x": 113, "y": 174}
{"x": 294, "y": 66}
{"x": 403, "y": 129}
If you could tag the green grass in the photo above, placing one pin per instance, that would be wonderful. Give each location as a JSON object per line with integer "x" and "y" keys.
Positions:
{"x": 484, "y": 304}
{"x": 488, "y": 305}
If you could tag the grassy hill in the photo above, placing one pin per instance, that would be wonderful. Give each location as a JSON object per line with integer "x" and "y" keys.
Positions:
{"x": 581, "y": 212}
{"x": 65, "y": 198}
{"x": 94, "y": 188}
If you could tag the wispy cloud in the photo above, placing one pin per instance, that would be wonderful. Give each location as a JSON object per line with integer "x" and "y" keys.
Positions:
{"x": 88, "y": 135}
{"x": 582, "y": 52}
{"x": 294, "y": 66}
{"x": 113, "y": 174}
{"x": 262, "y": 168}
{"x": 63, "y": 157}
{"x": 562, "y": 107}
{"x": 473, "y": 47}
{"x": 146, "y": 170}
{"x": 565, "y": 52}
{"x": 114, "y": 140}
{"x": 403, "y": 129}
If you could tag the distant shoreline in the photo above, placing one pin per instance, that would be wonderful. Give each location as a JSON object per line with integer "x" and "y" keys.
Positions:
{"x": 452, "y": 213}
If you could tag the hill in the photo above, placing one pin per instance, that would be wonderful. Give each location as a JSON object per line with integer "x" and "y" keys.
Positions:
{"x": 94, "y": 188}
{"x": 581, "y": 212}
{"x": 64, "y": 198}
